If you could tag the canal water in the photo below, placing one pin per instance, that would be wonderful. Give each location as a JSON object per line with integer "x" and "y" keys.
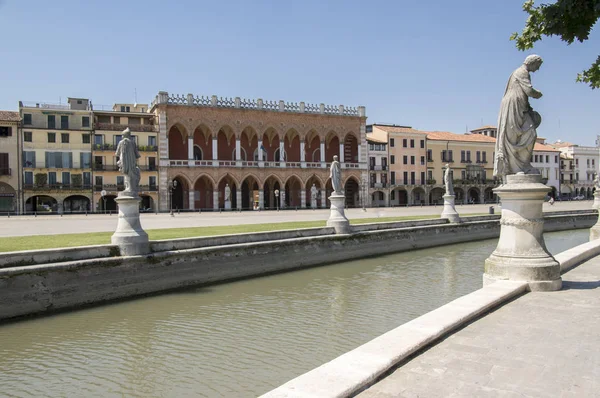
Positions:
{"x": 238, "y": 339}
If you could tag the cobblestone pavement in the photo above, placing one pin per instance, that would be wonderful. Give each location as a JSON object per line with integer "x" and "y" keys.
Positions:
{"x": 540, "y": 345}
{"x": 76, "y": 223}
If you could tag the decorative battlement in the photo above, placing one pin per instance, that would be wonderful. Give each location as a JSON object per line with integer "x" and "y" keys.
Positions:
{"x": 164, "y": 97}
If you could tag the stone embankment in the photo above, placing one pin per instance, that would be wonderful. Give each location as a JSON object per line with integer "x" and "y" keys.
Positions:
{"x": 49, "y": 280}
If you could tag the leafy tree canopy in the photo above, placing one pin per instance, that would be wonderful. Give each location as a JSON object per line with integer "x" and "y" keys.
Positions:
{"x": 570, "y": 20}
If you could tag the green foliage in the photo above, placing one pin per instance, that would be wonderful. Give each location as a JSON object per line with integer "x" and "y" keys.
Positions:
{"x": 40, "y": 179}
{"x": 570, "y": 20}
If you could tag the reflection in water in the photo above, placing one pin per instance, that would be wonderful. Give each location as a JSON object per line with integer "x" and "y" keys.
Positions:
{"x": 237, "y": 339}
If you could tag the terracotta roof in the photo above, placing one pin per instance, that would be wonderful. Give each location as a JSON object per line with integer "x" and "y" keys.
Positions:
{"x": 398, "y": 129}
{"x": 9, "y": 116}
{"x": 485, "y": 128}
{"x": 376, "y": 140}
{"x": 562, "y": 144}
{"x": 447, "y": 136}
{"x": 544, "y": 148}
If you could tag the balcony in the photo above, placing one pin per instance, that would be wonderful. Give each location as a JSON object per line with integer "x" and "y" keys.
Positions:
{"x": 112, "y": 148}
{"x": 379, "y": 185}
{"x": 481, "y": 161}
{"x": 144, "y": 167}
{"x": 146, "y": 128}
{"x": 5, "y": 172}
{"x": 465, "y": 161}
{"x": 105, "y": 167}
{"x": 253, "y": 164}
{"x": 57, "y": 187}
{"x": 42, "y": 165}
{"x": 382, "y": 167}
{"x": 120, "y": 187}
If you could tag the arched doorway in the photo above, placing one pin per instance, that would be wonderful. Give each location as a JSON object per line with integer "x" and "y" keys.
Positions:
{"x": 227, "y": 180}
{"x": 490, "y": 196}
{"x": 293, "y": 189}
{"x": 378, "y": 199}
{"x": 292, "y": 146}
{"x": 180, "y": 196}
{"x": 7, "y": 198}
{"x": 418, "y": 196}
{"x": 351, "y": 191}
{"x": 474, "y": 196}
{"x": 147, "y": 204}
{"x": 226, "y": 143}
{"x": 41, "y": 204}
{"x": 107, "y": 203}
{"x": 350, "y": 149}
{"x": 398, "y": 197}
{"x": 198, "y": 153}
{"x": 249, "y": 193}
{"x": 332, "y": 146}
{"x": 270, "y": 199}
{"x": 76, "y": 204}
{"x": 459, "y": 196}
{"x": 436, "y": 196}
{"x": 313, "y": 180}
{"x": 203, "y": 193}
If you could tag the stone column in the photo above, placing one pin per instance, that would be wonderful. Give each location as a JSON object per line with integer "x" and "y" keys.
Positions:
{"x": 322, "y": 150}
{"x": 303, "y": 199}
{"x": 260, "y": 151}
{"x": 323, "y": 198}
{"x": 191, "y": 148}
{"x": 238, "y": 199}
{"x": 521, "y": 254}
{"x": 192, "y": 199}
{"x": 341, "y": 153}
{"x": 261, "y": 199}
{"x": 282, "y": 150}
{"x": 215, "y": 151}
{"x": 238, "y": 149}
{"x": 282, "y": 199}
{"x": 302, "y": 153}
{"x": 215, "y": 200}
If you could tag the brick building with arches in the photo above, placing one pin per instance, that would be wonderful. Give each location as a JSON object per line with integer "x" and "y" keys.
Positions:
{"x": 268, "y": 153}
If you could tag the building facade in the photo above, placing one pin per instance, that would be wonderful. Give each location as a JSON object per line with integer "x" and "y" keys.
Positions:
{"x": 547, "y": 160}
{"x": 579, "y": 165}
{"x": 10, "y": 176}
{"x": 379, "y": 187}
{"x": 268, "y": 153}
{"x": 108, "y": 181}
{"x": 56, "y": 156}
{"x": 471, "y": 158}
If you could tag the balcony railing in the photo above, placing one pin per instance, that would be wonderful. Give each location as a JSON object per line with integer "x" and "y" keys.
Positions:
{"x": 381, "y": 167}
{"x": 379, "y": 185}
{"x": 5, "y": 172}
{"x": 112, "y": 147}
{"x": 148, "y": 128}
{"x": 57, "y": 187}
{"x": 105, "y": 167}
{"x": 144, "y": 167}
{"x": 248, "y": 163}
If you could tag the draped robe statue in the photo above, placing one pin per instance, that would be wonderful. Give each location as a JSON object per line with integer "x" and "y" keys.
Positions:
{"x": 335, "y": 173}
{"x": 128, "y": 154}
{"x": 448, "y": 180}
{"x": 517, "y": 122}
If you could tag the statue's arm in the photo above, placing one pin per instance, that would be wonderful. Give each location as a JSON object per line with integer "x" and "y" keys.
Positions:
{"x": 524, "y": 80}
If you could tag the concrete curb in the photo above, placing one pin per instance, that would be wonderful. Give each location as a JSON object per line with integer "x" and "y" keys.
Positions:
{"x": 571, "y": 258}
{"x": 351, "y": 372}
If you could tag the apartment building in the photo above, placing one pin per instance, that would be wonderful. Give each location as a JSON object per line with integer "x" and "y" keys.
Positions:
{"x": 379, "y": 187}
{"x": 578, "y": 166}
{"x": 471, "y": 158}
{"x": 547, "y": 160}
{"x": 108, "y": 129}
{"x": 56, "y": 156}
{"x": 10, "y": 186}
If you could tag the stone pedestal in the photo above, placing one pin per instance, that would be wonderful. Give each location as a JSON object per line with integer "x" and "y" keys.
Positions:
{"x": 449, "y": 210}
{"x": 129, "y": 236}
{"x": 313, "y": 203}
{"x": 595, "y": 230}
{"x": 228, "y": 205}
{"x": 521, "y": 254}
{"x": 337, "y": 219}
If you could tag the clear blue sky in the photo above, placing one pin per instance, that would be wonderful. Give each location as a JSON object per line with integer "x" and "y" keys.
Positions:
{"x": 434, "y": 65}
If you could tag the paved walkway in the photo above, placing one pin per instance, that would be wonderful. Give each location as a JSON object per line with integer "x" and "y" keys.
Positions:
{"x": 540, "y": 345}
{"x": 77, "y": 223}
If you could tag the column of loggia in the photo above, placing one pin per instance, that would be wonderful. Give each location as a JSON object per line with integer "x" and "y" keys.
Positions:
{"x": 322, "y": 151}
{"x": 238, "y": 152}
{"x": 341, "y": 159}
{"x": 282, "y": 156}
{"x": 191, "y": 195}
{"x": 260, "y": 154}
{"x": 261, "y": 198}
{"x": 302, "y": 155}
{"x": 215, "y": 154}
{"x": 323, "y": 198}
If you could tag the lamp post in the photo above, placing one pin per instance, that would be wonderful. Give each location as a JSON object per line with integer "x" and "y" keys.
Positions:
{"x": 277, "y": 199}
{"x": 103, "y": 194}
{"x": 172, "y": 186}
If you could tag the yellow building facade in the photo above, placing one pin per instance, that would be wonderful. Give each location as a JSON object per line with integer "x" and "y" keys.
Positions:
{"x": 56, "y": 156}
{"x": 9, "y": 162}
{"x": 108, "y": 130}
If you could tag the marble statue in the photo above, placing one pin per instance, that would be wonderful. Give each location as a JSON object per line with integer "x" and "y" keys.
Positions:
{"x": 227, "y": 193}
{"x": 448, "y": 180}
{"x": 313, "y": 192}
{"x": 335, "y": 173}
{"x": 517, "y": 122}
{"x": 597, "y": 182}
{"x": 128, "y": 154}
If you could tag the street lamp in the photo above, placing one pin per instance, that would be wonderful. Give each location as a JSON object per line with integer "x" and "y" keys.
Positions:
{"x": 277, "y": 199}
{"x": 103, "y": 194}
{"x": 172, "y": 186}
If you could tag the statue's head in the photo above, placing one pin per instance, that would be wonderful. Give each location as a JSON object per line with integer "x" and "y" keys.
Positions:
{"x": 447, "y": 165}
{"x": 126, "y": 133}
{"x": 335, "y": 158}
{"x": 533, "y": 62}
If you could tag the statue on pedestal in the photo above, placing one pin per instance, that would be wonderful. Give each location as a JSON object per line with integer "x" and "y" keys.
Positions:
{"x": 517, "y": 122}
{"x": 313, "y": 196}
{"x": 335, "y": 173}
{"x": 448, "y": 180}
{"x": 128, "y": 154}
{"x": 597, "y": 182}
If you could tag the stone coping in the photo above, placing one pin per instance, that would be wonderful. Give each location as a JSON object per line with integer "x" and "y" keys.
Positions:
{"x": 360, "y": 368}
